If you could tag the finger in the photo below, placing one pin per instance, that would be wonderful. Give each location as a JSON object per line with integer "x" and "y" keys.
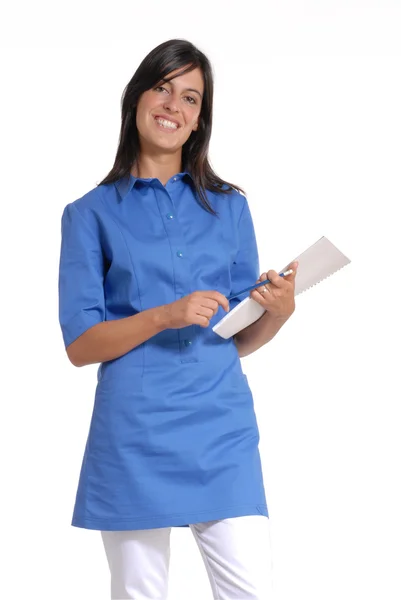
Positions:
{"x": 275, "y": 279}
{"x": 209, "y": 303}
{"x": 262, "y": 289}
{"x": 214, "y": 299}
{"x": 206, "y": 312}
{"x": 263, "y": 277}
{"x": 223, "y": 301}
{"x": 261, "y": 295}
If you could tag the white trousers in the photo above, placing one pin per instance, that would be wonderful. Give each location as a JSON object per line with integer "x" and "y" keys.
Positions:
{"x": 236, "y": 553}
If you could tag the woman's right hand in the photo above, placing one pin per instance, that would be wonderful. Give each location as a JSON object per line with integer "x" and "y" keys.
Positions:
{"x": 195, "y": 309}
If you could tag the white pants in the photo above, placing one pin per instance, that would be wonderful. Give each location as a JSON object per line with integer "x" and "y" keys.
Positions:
{"x": 236, "y": 553}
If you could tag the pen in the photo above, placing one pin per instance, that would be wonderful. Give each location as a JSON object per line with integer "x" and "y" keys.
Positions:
{"x": 259, "y": 284}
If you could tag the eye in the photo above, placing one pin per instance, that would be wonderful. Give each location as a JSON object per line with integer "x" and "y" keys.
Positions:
{"x": 160, "y": 87}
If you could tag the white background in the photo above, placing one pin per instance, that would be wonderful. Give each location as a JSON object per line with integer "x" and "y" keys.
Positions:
{"x": 307, "y": 120}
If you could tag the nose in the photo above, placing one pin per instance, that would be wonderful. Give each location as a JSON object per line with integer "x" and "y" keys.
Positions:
{"x": 171, "y": 102}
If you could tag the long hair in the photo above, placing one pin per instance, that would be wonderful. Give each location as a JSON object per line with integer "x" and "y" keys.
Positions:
{"x": 162, "y": 60}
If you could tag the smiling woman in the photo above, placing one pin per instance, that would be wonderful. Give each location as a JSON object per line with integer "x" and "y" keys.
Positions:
{"x": 173, "y": 440}
{"x": 174, "y": 82}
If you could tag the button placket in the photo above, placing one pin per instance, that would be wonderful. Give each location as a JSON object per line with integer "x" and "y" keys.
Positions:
{"x": 181, "y": 267}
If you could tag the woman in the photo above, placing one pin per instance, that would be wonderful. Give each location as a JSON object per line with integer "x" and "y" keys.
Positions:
{"x": 148, "y": 259}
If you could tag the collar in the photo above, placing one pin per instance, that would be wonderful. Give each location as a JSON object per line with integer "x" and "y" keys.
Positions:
{"x": 125, "y": 184}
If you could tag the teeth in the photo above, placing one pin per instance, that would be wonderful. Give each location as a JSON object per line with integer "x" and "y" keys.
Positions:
{"x": 165, "y": 123}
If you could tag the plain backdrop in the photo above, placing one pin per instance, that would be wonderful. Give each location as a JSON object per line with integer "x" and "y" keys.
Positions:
{"x": 307, "y": 120}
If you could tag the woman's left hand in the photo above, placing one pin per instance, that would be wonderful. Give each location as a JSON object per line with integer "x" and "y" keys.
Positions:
{"x": 277, "y": 297}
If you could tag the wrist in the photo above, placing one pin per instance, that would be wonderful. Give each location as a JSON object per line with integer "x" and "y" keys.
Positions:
{"x": 268, "y": 316}
{"x": 161, "y": 317}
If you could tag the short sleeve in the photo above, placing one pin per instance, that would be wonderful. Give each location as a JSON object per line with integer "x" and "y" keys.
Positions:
{"x": 81, "y": 275}
{"x": 245, "y": 268}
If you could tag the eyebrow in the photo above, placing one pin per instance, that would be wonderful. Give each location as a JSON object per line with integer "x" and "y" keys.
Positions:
{"x": 192, "y": 90}
{"x": 186, "y": 90}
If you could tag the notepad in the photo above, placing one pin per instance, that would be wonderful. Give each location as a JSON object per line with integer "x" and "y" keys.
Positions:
{"x": 316, "y": 263}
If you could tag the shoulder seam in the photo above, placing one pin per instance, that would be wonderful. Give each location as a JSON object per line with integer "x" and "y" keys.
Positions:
{"x": 242, "y": 209}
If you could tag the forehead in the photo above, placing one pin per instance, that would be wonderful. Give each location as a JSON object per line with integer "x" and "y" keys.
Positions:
{"x": 192, "y": 78}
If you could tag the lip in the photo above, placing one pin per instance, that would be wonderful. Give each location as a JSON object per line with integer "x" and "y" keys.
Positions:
{"x": 161, "y": 116}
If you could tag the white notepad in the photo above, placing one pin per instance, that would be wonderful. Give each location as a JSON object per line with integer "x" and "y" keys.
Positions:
{"x": 317, "y": 262}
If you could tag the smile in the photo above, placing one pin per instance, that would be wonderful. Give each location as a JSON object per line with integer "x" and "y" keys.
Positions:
{"x": 164, "y": 124}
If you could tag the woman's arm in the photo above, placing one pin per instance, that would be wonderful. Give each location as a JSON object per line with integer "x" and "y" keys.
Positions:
{"x": 257, "y": 334}
{"x": 111, "y": 339}
{"x": 279, "y": 302}
{"x": 88, "y": 336}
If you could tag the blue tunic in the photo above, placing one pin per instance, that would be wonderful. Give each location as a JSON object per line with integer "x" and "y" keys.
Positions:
{"x": 173, "y": 437}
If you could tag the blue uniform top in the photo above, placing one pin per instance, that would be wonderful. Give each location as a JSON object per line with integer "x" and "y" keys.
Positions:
{"x": 173, "y": 437}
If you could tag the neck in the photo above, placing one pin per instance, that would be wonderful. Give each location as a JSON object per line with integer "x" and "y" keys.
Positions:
{"x": 161, "y": 168}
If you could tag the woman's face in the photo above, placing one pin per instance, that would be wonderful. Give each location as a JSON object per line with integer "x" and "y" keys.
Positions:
{"x": 178, "y": 101}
